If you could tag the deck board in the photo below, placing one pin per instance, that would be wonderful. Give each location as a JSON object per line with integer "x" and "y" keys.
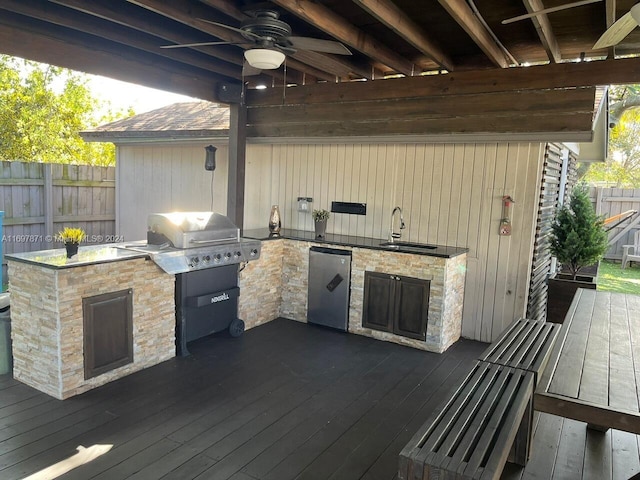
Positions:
{"x": 284, "y": 401}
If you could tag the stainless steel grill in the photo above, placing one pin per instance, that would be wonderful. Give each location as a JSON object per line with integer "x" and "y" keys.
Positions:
{"x": 203, "y": 250}
{"x": 183, "y": 242}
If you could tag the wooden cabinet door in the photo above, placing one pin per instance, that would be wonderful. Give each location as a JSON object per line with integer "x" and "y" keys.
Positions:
{"x": 377, "y": 309}
{"x": 396, "y": 304}
{"x": 108, "y": 332}
{"x": 411, "y": 307}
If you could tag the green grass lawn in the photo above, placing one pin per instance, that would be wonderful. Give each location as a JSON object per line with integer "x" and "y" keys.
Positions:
{"x": 612, "y": 278}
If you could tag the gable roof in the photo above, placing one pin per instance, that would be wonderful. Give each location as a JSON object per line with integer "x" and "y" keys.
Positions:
{"x": 190, "y": 120}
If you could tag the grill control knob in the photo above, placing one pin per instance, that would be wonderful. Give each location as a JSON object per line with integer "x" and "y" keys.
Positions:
{"x": 217, "y": 257}
{"x": 238, "y": 254}
{"x": 254, "y": 252}
{"x": 206, "y": 259}
{"x": 227, "y": 255}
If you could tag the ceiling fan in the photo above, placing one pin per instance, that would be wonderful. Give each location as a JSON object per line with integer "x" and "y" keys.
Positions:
{"x": 269, "y": 40}
{"x": 620, "y": 29}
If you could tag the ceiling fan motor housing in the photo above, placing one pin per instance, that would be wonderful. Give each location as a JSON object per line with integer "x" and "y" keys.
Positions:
{"x": 266, "y": 24}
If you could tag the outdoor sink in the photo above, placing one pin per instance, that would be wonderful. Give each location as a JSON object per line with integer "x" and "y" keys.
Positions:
{"x": 407, "y": 245}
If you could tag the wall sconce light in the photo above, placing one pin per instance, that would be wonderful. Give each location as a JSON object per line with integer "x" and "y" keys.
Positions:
{"x": 210, "y": 158}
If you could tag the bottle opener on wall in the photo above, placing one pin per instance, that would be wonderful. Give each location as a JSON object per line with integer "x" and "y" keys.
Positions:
{"x": 505, "y": 222}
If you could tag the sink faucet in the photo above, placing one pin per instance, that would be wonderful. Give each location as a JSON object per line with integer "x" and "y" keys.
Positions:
{"x": 393, "y": 235}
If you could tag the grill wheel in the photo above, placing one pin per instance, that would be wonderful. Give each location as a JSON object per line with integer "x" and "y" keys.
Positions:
{"x": 236, "y": 328}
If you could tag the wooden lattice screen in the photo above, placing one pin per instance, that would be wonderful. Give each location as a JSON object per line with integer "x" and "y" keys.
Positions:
{"x": 541, "y": 260}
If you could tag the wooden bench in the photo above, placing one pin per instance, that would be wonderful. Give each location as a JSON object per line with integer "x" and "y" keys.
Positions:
{"x": 471, "y": 435}
{"x": 525, "y": 344}
{"x": 465, "y": 437}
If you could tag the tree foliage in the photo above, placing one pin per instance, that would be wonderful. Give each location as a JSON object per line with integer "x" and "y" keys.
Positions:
{"x": 42, "y": 110}
{"x": 578, "y": 238}
{"x": 622, "y": 168}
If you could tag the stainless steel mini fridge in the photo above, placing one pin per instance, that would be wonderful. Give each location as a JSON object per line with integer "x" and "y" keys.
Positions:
{"x": 329, "y": 285}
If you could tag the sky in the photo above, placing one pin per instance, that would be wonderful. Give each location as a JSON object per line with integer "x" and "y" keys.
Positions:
{"x": 123, "y": 95}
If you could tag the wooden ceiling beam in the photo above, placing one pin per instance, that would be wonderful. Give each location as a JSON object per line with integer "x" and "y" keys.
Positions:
{"x": 560, "y": 75}
{"x": 188, "y": 12}
{"x": 521, "y": 102}
{"x": 127, "y": 16}
{"x": 321, "y": 17}
{"x": 81, "y": 22}
{"x": 544, "y": 30}
{"x": 461, "y": 13}
{"x": 395, "y": 19}
{"x": 556, "y": 124}
{"x": 42, "y": 42}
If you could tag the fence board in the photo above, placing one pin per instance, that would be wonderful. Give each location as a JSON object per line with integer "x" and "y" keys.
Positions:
{"x": 612, "y": 201}
{"x": 40, "y": 199}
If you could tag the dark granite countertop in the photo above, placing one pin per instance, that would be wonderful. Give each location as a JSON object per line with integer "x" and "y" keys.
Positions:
{"x": 442, "y": 251}
{"x": 87, "y": 255}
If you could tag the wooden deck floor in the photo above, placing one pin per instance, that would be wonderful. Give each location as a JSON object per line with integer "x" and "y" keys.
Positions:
{"x": 284, "y": 401}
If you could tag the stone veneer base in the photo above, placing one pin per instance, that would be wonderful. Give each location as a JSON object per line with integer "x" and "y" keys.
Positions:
{"x": 277, "y": 286}
{"x": 47, "y": 324}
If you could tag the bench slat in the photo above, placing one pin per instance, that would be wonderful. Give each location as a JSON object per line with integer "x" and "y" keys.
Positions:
{"x": 525, "y": 344}
{"x": 452, "y": 409}
{"x": 506, "y": 424}
{"x": 471, "y": 439}
{"x": 465, "y": 413}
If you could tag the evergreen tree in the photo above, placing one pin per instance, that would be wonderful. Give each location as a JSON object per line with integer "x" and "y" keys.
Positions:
{"x": 578, "y": 237}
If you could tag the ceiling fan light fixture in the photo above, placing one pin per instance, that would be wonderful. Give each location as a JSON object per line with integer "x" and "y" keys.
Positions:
{"x": 264, "y": 58}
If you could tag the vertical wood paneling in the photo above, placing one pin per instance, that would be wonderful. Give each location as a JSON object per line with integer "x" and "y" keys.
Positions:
{"x": 166, "y": 178}
{"x": 623, "y": 200}
{"x": 450, "y": 194}
{"x": 33, "y": 203}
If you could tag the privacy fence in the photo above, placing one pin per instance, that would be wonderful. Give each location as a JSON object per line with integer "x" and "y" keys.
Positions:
{"x": 615, "y": 201}
{"x": 40, "y": 199}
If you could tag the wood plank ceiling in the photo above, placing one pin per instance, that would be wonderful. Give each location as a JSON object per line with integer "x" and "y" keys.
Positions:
{"x": 457, "y": 40}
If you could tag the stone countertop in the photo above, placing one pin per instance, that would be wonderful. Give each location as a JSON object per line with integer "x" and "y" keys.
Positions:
{"x": 442, "y": 251}
{"x": 87, "y": 255}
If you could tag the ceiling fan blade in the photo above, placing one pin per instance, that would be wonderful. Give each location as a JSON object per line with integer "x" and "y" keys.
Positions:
{"x": 616, "y": 32}
{"x": 549, "y": 10}
{"x": 234, "y": 29}
{"x": 318, "y": 45}
{"x": 201, "y": 44}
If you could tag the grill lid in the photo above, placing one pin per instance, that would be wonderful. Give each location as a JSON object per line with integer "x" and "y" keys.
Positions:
{"x": 190, "y": 229}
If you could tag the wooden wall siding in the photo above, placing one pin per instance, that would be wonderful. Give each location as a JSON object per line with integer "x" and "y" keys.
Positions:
{"x": 613, "y": 201}
{"x": 547, "y": 204}
{"x": 40, "y": 199}
{"x": 163, "y": 178}
{"x": 450, "y": 194}
{"x": 523, "y": 111}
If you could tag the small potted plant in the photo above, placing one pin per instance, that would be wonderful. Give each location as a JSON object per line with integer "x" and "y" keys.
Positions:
{"x": 578, "y": 240}
{"x": 320, "y": 218}
{"x": 71, "y": 238}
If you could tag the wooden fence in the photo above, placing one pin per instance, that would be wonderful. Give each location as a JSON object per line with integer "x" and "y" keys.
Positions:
{"x": 613, "y": 201}
{"x": 40, "y": 199}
